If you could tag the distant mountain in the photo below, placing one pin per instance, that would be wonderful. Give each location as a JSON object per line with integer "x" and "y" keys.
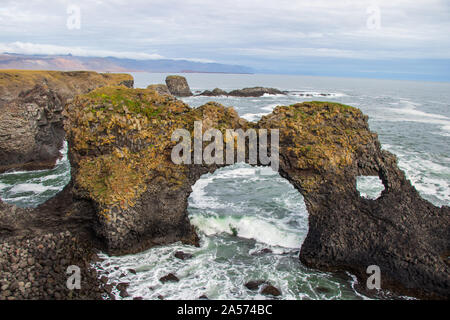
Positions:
{"x": 111, "y": 64}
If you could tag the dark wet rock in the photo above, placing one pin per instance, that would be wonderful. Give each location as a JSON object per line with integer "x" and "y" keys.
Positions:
{"x": 262, "y": 252}
{"x": 255, "y": 284}
{"x": 124, "y": 293}
{"x": 254, "y": 92}
{"x": 178, "y": 86}
{"x": 160, "y": 88}
{"x": 160, "y": 297}
{"x": 31, "y": 105}
{"x": 203, "y": 297}
{"x": 132, "y": 271}
{"x": 169, "y": 278}
{"x": 246, "y": 92}
{"x": 138, "y": 298}
{"x": 182, "y": 255}
{"x": 122, "y": 286}
{"x": 270, "y": 290}
{"x": 214, "y": 93}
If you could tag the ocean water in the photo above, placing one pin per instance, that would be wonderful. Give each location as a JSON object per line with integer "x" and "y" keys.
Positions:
{"x": 239, "y": 212}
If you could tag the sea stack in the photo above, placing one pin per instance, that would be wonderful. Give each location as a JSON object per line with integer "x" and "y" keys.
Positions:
{"x": 178, "y": 86}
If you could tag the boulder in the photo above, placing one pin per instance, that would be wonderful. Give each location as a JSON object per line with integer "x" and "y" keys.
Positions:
{"x": 178, "y": 86}
{"x": 270, "y": 290}
{"x": 169, "y": 278}
{"x": 255, "y": 284}
{"x": 182, "y": 255}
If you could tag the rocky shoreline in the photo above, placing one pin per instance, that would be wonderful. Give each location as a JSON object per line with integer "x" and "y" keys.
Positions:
{"x": 126, "y": 195}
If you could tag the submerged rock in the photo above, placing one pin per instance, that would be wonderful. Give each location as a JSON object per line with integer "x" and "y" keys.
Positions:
{"x": 178, "y": 86}
{"x": 262, "y": 252}
{"x": 255, "y": 284}
{"x": 182, "y": 255}
{"x": 169, "y": 278}
{"x": 214, "y": 93}
{"x": 270, "y": 290}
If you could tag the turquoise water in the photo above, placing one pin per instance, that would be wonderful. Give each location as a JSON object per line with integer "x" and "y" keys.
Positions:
{"x": 238, "y": 211}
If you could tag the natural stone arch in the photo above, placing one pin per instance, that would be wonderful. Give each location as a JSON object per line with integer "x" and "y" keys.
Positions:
{"x": 120, "y": 154}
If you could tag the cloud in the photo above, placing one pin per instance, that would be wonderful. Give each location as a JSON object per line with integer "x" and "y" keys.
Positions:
{"x": 44, "y": 49}
{"x": 229, "y": 31}
{"x": 32, "y": 48}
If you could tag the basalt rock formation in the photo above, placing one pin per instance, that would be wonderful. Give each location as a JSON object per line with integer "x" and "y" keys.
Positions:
{"x": 127, "y": 195}
{"x": 31, "y": 102}
{"x": 120, "y": 150}
{"x": 178, "y": 86}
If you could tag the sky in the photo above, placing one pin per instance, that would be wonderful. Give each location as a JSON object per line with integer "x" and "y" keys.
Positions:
{"x": 396, "y": 39}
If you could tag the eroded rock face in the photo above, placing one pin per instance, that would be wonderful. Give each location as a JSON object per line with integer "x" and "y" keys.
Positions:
{"x": 31, "y": 102}
{"x": 178, "y": 86}
{"x": 120, "y": 152}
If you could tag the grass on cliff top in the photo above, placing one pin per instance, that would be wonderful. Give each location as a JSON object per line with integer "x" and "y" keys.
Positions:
{"x": 33, "y": 77}
{"x": 122, "y": 100}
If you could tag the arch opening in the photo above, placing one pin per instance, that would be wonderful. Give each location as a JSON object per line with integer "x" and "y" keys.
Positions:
{"x": 249, "y": 202}
{"x": 369, "y": 187}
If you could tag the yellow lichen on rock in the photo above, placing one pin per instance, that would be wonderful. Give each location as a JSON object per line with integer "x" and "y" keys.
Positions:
{"x": 121, "y": 139}
{"x": 320, "y": 136}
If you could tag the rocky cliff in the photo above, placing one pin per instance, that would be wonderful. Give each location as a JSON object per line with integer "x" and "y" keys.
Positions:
{"x": 127, "y": 195}
{"x": 31, "y": 102}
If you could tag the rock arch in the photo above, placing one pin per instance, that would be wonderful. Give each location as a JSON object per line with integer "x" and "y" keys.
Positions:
{"x": 121, "y": 137}
{"x": 126, "y": 189}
